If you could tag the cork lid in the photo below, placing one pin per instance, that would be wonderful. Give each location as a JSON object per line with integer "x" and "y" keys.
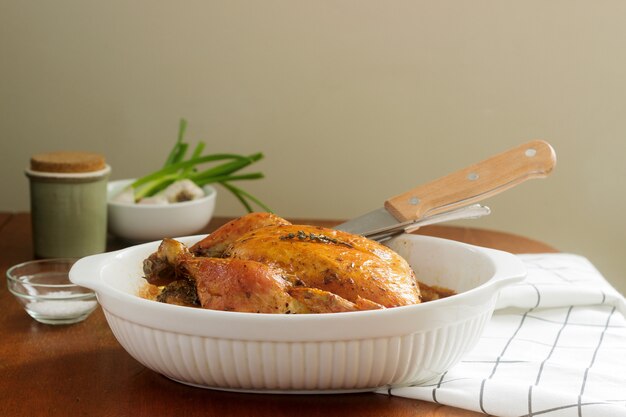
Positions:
{"x": 67, "y": 162}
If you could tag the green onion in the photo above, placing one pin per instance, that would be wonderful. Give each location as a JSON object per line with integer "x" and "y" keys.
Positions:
{"x": 242, "y": 196}
{"x": 177, "y": 168}
{"x": 178, "y": 151}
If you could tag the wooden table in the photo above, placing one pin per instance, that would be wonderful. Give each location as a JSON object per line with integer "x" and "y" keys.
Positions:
{"x": 81, "y": 370}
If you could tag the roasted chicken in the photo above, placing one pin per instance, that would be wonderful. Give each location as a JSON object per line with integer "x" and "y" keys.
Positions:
{"x": 262, "y": 263}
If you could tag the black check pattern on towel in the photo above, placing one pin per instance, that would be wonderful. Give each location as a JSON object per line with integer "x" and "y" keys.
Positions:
{"x": 555, "y": 347}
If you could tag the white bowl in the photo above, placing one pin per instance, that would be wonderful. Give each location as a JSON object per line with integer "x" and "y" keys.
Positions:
{"x": 147, "y": 222}
{"x": 316, "y": 353}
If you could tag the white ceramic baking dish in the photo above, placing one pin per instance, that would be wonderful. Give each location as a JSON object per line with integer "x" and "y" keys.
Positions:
{"x": 339, "y": 352}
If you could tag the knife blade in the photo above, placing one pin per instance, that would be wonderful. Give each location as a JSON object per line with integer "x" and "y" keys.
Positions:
{"x": 534, "y": 159}
{"x": 473, "y": 211}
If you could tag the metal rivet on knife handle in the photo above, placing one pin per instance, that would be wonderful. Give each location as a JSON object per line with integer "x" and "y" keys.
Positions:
{"x": 530, "y": 152}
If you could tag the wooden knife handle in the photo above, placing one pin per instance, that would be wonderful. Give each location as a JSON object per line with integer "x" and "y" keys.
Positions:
{"x": 534, "y": 159}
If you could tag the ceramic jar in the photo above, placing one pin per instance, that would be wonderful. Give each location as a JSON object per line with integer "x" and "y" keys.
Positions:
{"x": 68, "y": 192}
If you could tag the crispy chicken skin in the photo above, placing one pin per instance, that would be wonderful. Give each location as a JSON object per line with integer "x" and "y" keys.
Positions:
{"x": 262, "y": 263}
{"x": 217, "y": 242}
{"x": 344, "y": 264}
{"x": 240, "y": 285}
{"x": 314, "y": 300}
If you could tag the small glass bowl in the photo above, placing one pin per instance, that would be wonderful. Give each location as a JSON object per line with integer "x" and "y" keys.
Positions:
{"x": 48, "y": 296}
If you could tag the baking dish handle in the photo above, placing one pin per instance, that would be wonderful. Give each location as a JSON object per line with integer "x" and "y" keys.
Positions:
{"x": 86, "y": 271}
{"x": 510, "y": 268}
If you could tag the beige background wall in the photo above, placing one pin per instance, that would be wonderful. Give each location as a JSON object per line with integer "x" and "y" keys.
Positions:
{"x": 351, "y": 101}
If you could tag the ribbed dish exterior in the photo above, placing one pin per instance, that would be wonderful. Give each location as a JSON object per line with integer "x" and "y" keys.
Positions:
{"x": 324, "y": 366}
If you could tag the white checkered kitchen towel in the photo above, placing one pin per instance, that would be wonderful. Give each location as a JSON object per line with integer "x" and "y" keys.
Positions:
{"x": 556, "y": 346}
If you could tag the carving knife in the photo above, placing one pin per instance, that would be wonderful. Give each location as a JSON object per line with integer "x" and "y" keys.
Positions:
{"x": 535, "y": 159}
